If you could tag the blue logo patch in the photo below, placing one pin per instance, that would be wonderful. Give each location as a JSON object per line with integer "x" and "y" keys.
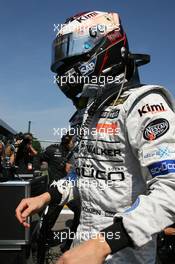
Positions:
{"x": 162, "y": 168}
{"x": 164, "y": 152}
{"x": 88, "y": 67}
{"x": 160, "y": 152}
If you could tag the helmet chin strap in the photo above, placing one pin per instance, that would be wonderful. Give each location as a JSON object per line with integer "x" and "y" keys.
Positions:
{"x": 139, "y": 59}
{"x": 97, "y": 90}
{"x": 121, "y": 88}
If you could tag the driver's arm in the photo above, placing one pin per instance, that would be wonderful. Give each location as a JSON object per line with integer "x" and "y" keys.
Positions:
{"x": 30, "y": 206}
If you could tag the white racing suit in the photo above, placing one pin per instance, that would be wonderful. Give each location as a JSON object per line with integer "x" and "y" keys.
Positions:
{"x": 126, "y": 168}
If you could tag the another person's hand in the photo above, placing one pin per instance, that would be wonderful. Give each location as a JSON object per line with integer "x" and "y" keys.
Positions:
{"x": 68, "y": 167}
{"x": 30, "y": 206}
{"x": 33, "y": 152}
{"x": 169, "y": 231}
{"x": 92, "y": 251}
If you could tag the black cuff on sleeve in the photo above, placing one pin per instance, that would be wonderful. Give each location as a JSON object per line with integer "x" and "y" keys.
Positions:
{"x": 55, "y": 195}
{"x": 116, "y": 236}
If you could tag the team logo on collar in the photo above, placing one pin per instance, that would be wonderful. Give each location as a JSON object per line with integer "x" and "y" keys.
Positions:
{"x": 156, "y": 108}
{"x": 120, "y": 101}
{"x": 111, "y": 114}
{"x": 156, "y": 129}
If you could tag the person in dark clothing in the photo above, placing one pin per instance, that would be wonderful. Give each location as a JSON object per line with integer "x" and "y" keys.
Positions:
{"x": 6, "y": 162}
{"x": 166, "y": 245}
{"x": 54, "y": 155}
{"x": 25, "y": 154}
{"x": 2, "y": 155}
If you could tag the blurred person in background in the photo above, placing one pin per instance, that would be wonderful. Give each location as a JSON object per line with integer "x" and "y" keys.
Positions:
{"x": 24, "y": 155}
{"x": 2, "y": 156}
{"x": 18, "y": 140}
{"x": 54, "y": 157}
{"x": 166, "y": 246}
{"x": 6, "y": 162}
{"x": 10, "y": 151}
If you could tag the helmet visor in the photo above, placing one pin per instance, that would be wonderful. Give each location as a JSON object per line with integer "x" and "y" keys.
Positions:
{"x": 71, "y": 45}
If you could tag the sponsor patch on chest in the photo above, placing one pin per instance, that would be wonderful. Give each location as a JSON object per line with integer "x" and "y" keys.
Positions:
{"x": 108, "y": 128}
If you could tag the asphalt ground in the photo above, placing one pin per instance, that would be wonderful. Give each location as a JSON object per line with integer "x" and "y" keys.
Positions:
{"x": 63, "y": 222}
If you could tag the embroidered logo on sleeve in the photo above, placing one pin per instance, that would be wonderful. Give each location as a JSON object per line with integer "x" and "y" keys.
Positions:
{"x": 156, "y": 129}
{"x": 162, "y": 168}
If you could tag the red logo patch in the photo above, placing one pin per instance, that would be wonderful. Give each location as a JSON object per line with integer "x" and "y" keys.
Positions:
{"x": 111, "y": 129}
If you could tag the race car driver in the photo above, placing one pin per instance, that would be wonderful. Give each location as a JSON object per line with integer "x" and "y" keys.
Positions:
{"x": 125, "y": 155}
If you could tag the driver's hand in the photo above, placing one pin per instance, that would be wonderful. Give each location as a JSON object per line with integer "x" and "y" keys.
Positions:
{"x": 92, "y": 251}
{"x": 169, "y": 231}
{"x": 30, "y": 206}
